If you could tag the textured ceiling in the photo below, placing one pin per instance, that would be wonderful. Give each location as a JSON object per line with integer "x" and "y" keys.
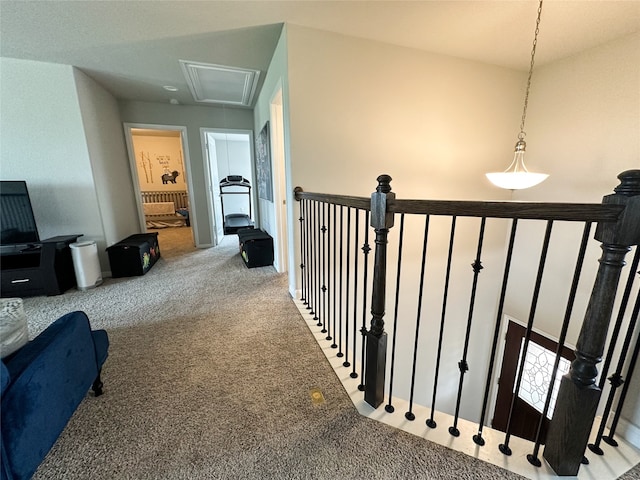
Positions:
{"x": 133, "y": 47}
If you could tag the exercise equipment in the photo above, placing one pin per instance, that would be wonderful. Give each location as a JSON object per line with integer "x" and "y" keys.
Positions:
{"x": 235, "y": 221}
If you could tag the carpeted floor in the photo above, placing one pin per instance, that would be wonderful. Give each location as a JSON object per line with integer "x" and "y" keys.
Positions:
{"x": 209, "y": 376}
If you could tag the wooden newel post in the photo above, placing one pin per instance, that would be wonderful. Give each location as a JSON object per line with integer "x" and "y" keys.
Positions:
{"x": 579, "y": 394}
{"x": 376, "y": 357}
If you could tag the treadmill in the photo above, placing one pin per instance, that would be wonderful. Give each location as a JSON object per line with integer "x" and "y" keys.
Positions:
{"x": 235, "y": 185}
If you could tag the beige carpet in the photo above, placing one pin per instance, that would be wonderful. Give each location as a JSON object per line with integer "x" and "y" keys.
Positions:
{"x": 209, "y": 377}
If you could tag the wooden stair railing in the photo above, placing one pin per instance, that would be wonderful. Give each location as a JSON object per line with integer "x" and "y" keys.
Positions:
{"x": 618, "y": 229}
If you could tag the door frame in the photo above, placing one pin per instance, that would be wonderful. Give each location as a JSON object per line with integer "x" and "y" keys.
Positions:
{"x": 276, "y": 114}
{"x": 136, "y": 180}
{"x": 208, "y": 180}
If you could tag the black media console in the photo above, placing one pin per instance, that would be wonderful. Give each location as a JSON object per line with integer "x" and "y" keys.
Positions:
{"x": 42, "y": 268}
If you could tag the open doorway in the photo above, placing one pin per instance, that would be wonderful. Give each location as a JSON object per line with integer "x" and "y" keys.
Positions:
{"x": 228, "y": 160}
{"x": 159, "y": 167}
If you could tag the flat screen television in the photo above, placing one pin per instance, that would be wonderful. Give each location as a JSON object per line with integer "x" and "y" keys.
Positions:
{"x": 17, "y": 222}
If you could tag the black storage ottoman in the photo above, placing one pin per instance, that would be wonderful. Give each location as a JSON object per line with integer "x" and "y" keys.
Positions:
{"x": 134, "y": 255}
{"x": 256, "y": 247}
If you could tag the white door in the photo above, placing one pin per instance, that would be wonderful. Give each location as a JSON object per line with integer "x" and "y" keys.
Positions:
{"x": 279, "y": 182}
{"x": 213, "y": 188}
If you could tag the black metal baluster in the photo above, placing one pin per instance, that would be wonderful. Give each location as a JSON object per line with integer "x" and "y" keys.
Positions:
{"x": 335, "y": 270}
{"x": 389, "y": 408}
{"x": 616, "y": 379}
{"x": 496, "y": 332}
{"x": 504, "y": 447}
{"x": 463, "y": 366}
{"x": 318, "y": 263}
{"x": 353, "y": 374}
{"x": 340, "y": 329}
{"x": 316, "y": 269}
{"x": 623, "y": 394}
{"x": 302, "y": 260}
{"x": 312, "y": 254}
{"x": 323, "y": 318}
{"x": 533, "y": 457}
{"x": 346, "y": 308}
{"x": 431, "y": 423}
{"x": 328, "y": 261}
{"x": 308, "y": 262}
{"x": 409, "y": 415}
{"x": 314, "y": 261}
{"x": 365, "y": 250}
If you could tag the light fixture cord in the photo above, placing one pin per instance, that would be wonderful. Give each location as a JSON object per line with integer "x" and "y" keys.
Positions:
{"x": 522, "y": 134}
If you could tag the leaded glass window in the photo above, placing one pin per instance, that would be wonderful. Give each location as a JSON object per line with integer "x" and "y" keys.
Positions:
{"x": 538, "y": 368}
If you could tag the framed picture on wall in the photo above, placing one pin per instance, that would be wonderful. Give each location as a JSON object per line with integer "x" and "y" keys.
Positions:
{"x": 263, "y": 164}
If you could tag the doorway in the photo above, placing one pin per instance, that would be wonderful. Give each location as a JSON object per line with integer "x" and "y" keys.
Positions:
{"x": 159, "y": 166}
{"x": 531, "y": 397}
{"x": 228, "y": 153}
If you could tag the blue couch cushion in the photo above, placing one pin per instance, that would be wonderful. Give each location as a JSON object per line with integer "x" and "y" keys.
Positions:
{"x": 5, "y": 474}
{"x": 49, "y": 378}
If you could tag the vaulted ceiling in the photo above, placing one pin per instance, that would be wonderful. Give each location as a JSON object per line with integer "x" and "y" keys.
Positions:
{"x": 133, "y": 48}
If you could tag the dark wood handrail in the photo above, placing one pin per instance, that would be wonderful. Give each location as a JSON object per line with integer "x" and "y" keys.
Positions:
{"x": 569, "y": 212}
{"x": 363, "y": 203}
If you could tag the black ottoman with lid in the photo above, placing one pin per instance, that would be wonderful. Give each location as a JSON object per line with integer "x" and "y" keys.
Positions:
{"x": 256, "y": 247}
{"x": 135, "y": 255}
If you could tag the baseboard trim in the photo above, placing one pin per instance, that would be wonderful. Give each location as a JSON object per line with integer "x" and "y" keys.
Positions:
{"x": 629, "y": 431}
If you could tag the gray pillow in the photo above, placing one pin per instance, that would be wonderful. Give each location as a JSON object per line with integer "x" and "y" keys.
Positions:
{"x": 13, "y": 326}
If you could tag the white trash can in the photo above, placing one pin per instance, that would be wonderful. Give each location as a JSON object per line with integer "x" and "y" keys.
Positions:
{"x": 86, "y": 264}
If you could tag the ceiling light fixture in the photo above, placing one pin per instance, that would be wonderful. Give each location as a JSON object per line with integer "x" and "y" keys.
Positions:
{"x": 170, "y": 88}
{"x": 517, "y": 176}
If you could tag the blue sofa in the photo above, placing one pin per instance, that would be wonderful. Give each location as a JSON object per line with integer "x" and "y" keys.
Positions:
{"x": 42, "y": 385}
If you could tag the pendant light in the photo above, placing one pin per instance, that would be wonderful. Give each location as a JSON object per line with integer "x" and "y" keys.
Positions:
{"x": 517, "y": 176}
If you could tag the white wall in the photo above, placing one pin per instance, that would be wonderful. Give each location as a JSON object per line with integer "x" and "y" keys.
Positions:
{"x": 583, "y": 125}
{"x": 157, "y": 155}
{"x": 277, "y": 78}
{"x": 434, "y": 123}
{"x": 234, "y": 158}
{"x": 44, "y": 143}
{"x": 109, "y": 163}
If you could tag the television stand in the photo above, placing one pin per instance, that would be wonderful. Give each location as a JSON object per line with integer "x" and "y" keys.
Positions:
{"x": 43, "y": 268}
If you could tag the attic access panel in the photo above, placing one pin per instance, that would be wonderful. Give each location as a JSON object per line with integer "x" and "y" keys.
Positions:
{"x": 211, "y": 83}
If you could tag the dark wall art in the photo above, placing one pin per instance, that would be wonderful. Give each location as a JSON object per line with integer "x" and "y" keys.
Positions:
{"x": 263, "y": 164}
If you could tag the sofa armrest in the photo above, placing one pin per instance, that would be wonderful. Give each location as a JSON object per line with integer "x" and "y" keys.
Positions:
{"x": 101, "y": 344}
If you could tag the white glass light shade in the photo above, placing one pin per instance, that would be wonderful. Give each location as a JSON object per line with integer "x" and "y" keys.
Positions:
{"x": 517, "y": 177}
{"x": 516, "y": 180}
